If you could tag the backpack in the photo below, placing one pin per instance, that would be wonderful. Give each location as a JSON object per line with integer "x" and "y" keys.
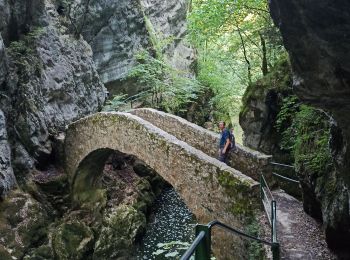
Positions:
{"x": 232, "y": 141}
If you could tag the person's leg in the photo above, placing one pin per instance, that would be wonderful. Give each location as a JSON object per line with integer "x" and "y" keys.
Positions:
{"x": 222, "y": 157}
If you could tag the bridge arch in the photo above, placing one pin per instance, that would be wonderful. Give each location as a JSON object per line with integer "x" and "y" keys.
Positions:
{"x": 211, "y": 189}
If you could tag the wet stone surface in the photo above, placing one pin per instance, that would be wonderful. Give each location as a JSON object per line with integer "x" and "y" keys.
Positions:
{"x": 171, "y": 222}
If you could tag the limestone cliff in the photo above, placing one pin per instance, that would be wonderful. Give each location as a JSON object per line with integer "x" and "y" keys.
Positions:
{"x": 117, "y": 30}
{"x": 262, "y": 102}
{"x": 47, "y": 79}
{"x": 316, "y": 35}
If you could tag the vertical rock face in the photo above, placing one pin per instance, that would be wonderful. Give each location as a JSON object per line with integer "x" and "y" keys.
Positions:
{"x": 47, "y": 79}
{"x": 316, "y": 35}
{"x": 7, "y": 179}
{"x": 169, "y": 20}
{"x": 117, "y": 30}
{"x": 262, "y": 102}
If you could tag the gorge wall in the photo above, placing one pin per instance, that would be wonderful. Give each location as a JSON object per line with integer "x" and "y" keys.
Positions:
{"x": 117, "y": 30}
{"x": 55, "y": 57}
{"x": 48, "y": 79}
{"x": 316, "y": 36}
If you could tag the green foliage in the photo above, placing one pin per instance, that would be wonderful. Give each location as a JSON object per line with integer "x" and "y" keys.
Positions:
{"x": 115, "y": 104}
{"x": 305, "y": 133}
{"x": 236, "y": 41}
{"x": 165, "y": 88}
{"x": 171, "y": 249}
{"x": 255, "y": 249}
{"x": 23, "y": 51}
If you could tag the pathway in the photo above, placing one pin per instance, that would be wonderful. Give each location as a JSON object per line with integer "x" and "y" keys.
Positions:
{"x": 300, "y": 236}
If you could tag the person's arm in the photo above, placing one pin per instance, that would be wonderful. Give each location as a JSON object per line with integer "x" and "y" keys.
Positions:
{"x": 226, "y": 144}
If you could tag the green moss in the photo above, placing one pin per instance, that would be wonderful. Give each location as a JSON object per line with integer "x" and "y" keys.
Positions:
{"x": 120, "y": 230}
{"x": 305, "y": 133}
{"x": 153, "y": 37}
{"x": 4, "y": 254}
{"x": 239, "y": 192}
{"x": 255, "y": 249}
{"x": 73, "y": 240}
{"x": 92, "y": 198}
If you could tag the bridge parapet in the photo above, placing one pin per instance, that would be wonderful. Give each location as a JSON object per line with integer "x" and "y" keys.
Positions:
{"x": 247, "y": 161}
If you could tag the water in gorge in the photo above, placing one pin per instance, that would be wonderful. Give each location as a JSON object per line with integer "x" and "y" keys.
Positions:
{"x": 170, "y": 228}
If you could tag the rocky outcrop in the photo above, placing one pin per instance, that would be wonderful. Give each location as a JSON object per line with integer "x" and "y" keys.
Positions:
{"x": 48, "y": 79}
{"x": 262, "y": 102}
{"x": 72, "y": 240}
{"x": 315, "y": 33}
{"x": 7, "y": 178}
{"x": 24, "y": 223}
{"x": 123, "y": 225}
{"x": 117, "y": 30}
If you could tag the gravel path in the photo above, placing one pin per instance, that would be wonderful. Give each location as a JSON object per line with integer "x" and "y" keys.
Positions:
{"x": 300, "y": 236}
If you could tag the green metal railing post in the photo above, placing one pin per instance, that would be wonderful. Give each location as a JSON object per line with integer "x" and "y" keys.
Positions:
{"x": 261, "y": 188}
{"x": 204, "y": 247}
{"x": 275, "y": 248}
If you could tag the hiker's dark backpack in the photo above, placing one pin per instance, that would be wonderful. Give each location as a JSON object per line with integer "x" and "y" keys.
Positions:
{"x": 232, "y": 141}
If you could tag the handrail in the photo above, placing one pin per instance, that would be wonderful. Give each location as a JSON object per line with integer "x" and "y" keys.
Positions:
{"x": 193, "y": 246}
{"x": 285, "y": 178}
{"x": 282, "y": 165}
{"x": 263, "y": 183}
{"x": 201, "y": 246}
{"x": 236, "y": 231}
{"x": 204, "y": 237}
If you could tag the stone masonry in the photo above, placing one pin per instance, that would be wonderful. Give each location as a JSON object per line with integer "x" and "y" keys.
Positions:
{"x": 211, "y": 189}
{"x": 246, "y": 160}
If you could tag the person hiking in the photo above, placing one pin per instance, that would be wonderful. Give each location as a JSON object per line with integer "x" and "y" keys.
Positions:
{"x": 224, "y": 143}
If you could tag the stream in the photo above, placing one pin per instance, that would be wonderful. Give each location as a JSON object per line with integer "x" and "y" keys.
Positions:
{"x": 170, "y": 229}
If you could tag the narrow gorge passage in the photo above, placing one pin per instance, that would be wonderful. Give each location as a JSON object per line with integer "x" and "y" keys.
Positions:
{"x": 105, "y": 103}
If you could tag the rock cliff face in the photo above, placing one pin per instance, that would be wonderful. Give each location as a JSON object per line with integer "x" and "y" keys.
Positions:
{"x": 47, "y": 67}
{"x": 117, "y": 30}
{"x": 47, "y": 79}
{"x": 316, "y": 35}
{"x": 262, "y": 102}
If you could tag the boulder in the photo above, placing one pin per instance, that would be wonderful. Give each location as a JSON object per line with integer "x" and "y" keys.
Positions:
{"x": 72, "y": 241}
{"x": 23, "y": 223}
{"x": 121, "y": 227}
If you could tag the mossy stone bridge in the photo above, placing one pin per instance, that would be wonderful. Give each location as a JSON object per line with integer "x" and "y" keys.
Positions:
{"x": 181, "y": 152}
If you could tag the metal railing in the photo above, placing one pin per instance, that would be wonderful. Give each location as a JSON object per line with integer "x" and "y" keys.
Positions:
{"x": 281, "y": 176}
{"x": 201, "y": 246}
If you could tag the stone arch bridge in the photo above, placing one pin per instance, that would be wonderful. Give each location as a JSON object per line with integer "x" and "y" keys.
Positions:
{"x": 181, "y": 152}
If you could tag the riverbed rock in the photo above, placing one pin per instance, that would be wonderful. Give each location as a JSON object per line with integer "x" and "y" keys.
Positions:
{"x": 121, "y": 227}
{"x": 72, "y": 240}
{"x": 316, "y": 35}
{"x": 23, "y": 223}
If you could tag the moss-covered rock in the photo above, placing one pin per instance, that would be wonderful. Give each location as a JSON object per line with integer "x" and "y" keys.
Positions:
{"x": 72, "y": 240}
{"x": 44, "y": 252}
{"x": 23, "y": 223}
{"x": 120, "y": 230}
{"x": 261, "y": 103}
{"x": 5, "y": 254}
